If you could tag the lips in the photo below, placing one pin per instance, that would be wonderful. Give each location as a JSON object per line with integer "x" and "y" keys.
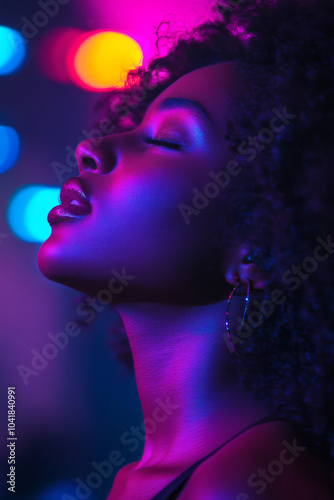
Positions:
{"x": 74, "y": 202}
{"x": 73, "y": 197}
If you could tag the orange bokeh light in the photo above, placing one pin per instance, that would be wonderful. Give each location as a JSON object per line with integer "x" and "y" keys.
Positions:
{"x": 103, "y": 59}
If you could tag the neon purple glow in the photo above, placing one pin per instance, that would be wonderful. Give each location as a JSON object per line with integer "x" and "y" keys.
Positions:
{"x": 138, "y": 19}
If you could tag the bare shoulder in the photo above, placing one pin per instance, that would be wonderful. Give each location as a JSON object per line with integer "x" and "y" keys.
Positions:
{"x": 269, "y": 461}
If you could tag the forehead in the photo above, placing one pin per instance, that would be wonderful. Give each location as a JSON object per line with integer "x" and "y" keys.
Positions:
{"x": 213, "y": 86}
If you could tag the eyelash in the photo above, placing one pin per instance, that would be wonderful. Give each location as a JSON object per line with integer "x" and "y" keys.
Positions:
{"x": 158, "y": 142}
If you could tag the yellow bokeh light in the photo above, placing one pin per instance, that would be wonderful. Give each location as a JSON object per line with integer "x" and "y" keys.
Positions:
{"x": 103, "y": 59}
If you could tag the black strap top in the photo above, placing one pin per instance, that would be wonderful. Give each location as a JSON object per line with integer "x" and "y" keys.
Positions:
{"x": 173, "y": 489}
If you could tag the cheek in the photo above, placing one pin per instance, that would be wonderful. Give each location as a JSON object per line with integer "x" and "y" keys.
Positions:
{"x": 148, "y": 208}
{"x": 150, "y": 201}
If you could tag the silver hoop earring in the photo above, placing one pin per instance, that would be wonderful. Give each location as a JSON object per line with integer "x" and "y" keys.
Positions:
{"x": 227, "y": 311}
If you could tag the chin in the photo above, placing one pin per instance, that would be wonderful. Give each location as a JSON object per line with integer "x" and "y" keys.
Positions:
{"x": 48, "y": 260}
{"x": 65, "y": 266}
{"x": 54, "y": 265}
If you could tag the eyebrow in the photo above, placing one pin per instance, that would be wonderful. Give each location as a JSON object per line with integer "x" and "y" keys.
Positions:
{"x": 181, "y": 102}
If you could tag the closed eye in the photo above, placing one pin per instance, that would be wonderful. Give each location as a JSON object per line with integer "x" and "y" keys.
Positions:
{"x": 159, "y": 142}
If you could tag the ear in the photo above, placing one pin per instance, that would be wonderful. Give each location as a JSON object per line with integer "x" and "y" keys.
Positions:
{"x": 240, "y": 267}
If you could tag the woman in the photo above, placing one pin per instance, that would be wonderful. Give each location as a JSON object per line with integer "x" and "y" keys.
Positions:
{"x": 206, "y": 215}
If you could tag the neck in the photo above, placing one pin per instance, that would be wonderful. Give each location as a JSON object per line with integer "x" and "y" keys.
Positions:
{"x": 188, "y": 387}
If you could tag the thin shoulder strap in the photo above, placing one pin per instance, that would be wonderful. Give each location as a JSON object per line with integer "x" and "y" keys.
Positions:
{"x": 177, "y": 482}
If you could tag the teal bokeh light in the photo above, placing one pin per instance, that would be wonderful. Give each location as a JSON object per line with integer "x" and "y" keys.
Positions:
{"x": 9, "y": 147}
{"x": 12, "y": 50}
{"x": 28, "y": 210}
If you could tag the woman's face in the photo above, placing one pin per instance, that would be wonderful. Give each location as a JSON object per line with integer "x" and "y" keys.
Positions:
{"x": 137, "y": 224}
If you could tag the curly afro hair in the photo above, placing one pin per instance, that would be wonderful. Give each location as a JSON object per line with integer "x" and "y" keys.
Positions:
{"x": 284, "y": 51}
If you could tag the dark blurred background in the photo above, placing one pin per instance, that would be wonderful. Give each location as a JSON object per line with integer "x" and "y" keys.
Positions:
{"x": 72, "y": 412}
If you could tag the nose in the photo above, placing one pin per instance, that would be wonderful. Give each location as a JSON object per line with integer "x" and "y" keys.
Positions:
{"x": 100, "y": 158}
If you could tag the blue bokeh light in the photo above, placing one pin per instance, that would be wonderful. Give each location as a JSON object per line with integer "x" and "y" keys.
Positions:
{"x": 12, "y": 50}
{"x": 62, "y": 489}
{"x": 28, "y": 210}
{"x": 9, "y": 147}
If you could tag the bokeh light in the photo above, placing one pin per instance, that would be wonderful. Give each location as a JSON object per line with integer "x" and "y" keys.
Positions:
{"x": 28, "y": 210}
{"x": 62, "y": 489}
{"x": 103, "y": 60}
{"x": 53, "y": 493}
{"x": 12, "y": 50}
{"x": 9, "y": 147}
{"x": 56, "y": 51}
